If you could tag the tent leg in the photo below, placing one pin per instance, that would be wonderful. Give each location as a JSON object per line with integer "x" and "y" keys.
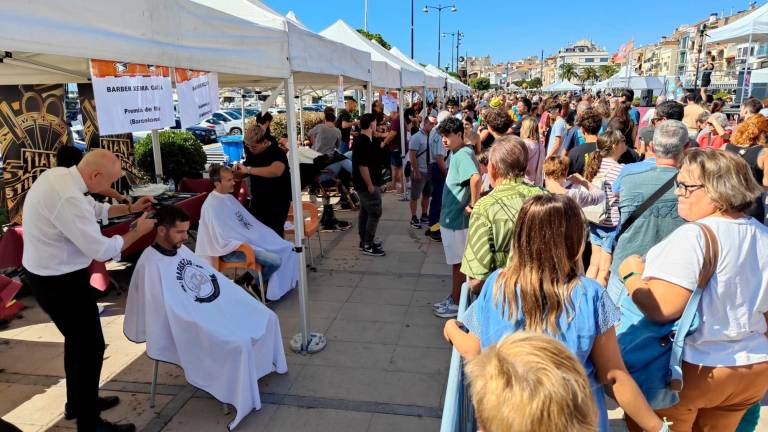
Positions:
{"x": 157, "y": 155}
{"x": 304, "y": 342}
{"x": 153, "y": 386}
{"x": 402, "y": 133}
{"x": 369, "y": 98}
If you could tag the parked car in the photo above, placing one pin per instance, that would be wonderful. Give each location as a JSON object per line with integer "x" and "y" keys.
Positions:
{"x": 203, "y": 134}
{"x": 212, "y": 123}
{"x": 231, "y": 120}
{"x": 277, "y": 110}
{"x": 251, "y": 112}
{"x": 313, "y": 107}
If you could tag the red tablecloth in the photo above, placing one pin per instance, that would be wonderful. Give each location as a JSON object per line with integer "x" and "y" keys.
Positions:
{"x": 12, "y": 243}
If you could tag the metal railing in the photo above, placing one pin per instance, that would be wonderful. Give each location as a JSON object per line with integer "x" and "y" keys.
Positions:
{"x": 458, "y": 412}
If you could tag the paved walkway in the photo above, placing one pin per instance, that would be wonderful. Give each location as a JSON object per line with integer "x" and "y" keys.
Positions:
{"x": 384, "y": 369}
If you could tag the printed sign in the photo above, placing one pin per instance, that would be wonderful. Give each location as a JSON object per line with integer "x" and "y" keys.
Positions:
{"x": 198, "y": 95}
{"x": 32, "y": 128}
{"x": 131, "y": 97}
{"x": 390, "y": 103}
{"x": 121, "y": 144}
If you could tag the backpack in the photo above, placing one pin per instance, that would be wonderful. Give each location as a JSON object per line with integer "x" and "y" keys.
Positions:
{"x": 599, "y": 213}
{"x": 653, "y": 352}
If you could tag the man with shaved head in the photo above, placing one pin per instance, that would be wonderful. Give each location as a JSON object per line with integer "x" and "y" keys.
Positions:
{"x": 61, "y": 239}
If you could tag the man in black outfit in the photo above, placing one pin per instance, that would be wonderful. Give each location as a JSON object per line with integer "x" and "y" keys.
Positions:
{"x": 345, "y": 123}
{"x": 267, "y": 165}
{"x": 366, "y": 176}
{"x": 590, "y": 123}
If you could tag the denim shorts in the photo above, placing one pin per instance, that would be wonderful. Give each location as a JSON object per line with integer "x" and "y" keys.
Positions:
{"x": 602, "y": 236}
{"x": 396, "y": 158}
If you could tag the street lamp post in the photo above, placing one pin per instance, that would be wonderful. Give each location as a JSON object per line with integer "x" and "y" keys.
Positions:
{"x": 459, "y": 37}
{"x": 365, "y": 21}
{"x": 453, "y": 39}
{"x": 439, "y": 8}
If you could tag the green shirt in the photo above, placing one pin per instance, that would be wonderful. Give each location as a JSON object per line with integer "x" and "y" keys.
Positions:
{"x": 456, "y": 193}
{"x": 491, "y": 227}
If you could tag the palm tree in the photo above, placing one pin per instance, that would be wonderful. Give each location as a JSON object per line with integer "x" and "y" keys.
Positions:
{"x": 589, "y": 73}
{"x": 568, "y": 71}
{"x": 607, "y": 70}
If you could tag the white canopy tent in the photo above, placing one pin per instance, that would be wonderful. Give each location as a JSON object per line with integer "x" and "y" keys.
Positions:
{"x": 385, "y": 72}
{"x": 561, "y": 86}
{"x": 753, "y": 27}
{"x": 760, "y": 76}
{"x": 431, "y": 79}
{"x": 242, "y": 44}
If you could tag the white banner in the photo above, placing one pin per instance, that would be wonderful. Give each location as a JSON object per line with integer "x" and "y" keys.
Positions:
{"x": 198, "y": 95}
{"x": 340, "y": 93}
{"x": 390, "y": 103}
{"x": 131, "y": 97}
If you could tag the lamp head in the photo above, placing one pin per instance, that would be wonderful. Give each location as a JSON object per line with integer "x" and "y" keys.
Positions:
{"x": 454, "y": 8}
{"x": 425, "y": 10}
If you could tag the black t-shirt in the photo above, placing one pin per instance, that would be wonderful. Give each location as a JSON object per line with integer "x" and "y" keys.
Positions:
{"x": 578, "y": 157}
{"x": 344, "y": 115}
{"x": 365, "y": 153}
{"x": 269, "y": 189}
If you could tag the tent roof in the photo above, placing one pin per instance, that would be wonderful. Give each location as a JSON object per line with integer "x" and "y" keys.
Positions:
{"x": 561, "y": 86}
{"x": 49, "y": 47}
{"x": 755, "y": 23}
{"x": 431, "y": 79}
{"x": 317, "y": 59}
{"x": 407, "y": 76}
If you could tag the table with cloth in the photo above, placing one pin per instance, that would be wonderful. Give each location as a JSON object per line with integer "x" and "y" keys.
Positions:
{"x": 12, "y": 242}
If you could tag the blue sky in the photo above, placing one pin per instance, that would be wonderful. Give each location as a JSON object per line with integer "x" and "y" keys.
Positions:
{"x": 508, "y": 29}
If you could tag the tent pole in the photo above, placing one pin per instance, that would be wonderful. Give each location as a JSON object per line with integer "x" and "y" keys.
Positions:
{"x": 306, "y": 340}
{"x": 157, "y": 155}
{"x": 369, "y": 98}
{"x": 301, "y": 118}
{"x": 402, "y": 130}
{"x": 746, "y": 69}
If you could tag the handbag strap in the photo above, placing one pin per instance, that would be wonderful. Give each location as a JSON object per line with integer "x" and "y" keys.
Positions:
{"x": 711, "y": 256}
{"x": 645, "y": 206}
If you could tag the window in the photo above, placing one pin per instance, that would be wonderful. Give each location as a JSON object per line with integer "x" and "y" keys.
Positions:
{"x": 684, "y": 43}
{"x": 219, "y": 117}
{"x": 589, "y": 60}
{"x": 603, "y": 59}
{"x": 762, "y": 50}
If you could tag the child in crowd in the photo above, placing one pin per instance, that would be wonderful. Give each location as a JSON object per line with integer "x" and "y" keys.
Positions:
{"x": 530, "y": 370}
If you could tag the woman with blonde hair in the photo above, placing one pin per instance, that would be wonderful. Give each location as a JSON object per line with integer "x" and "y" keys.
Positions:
{"x": 542, "y": 290}
{"x": 529, "y": 132}
{"x": 725, "y": 362}
{"x": 527, "y": 369}
{"x": 602, "y": 169}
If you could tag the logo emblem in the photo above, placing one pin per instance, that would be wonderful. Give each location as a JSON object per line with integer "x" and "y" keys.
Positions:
{"x": 243, "y": 221}
{"x": 197, "y": 282}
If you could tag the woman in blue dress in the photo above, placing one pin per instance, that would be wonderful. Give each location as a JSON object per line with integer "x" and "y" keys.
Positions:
{"x": 542, "y": 289}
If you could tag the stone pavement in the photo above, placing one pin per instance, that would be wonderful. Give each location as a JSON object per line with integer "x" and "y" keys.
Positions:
{"x": 384, "y": 369}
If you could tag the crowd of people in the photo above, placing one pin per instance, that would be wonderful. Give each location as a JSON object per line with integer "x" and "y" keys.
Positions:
{"x": 581, "y": 229}
{"x": 601, "y": 230}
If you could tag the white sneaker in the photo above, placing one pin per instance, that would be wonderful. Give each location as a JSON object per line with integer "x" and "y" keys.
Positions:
{"x": 447, "y": 310}
{"x": 442, "y": 302}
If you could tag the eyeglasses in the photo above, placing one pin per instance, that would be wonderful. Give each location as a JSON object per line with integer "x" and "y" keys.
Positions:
{"x": 687, "y": 188}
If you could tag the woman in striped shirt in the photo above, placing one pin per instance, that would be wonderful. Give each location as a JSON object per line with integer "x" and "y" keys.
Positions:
{"x": 602, "y": 169}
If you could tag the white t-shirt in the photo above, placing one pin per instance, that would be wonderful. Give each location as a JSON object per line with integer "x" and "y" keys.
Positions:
{"x": 732, "y": 329}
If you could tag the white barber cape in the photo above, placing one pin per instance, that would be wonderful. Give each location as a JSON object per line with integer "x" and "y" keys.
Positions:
{"x": 225, "y": 224}
{"x": 195, "y": 317}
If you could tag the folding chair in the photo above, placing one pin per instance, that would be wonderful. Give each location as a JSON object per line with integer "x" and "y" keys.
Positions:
{"x": 311, "y": 227}
{"x": 153, "y": 388}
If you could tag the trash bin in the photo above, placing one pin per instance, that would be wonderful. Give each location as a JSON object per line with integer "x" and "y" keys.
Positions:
{"x": 232, "y": 146}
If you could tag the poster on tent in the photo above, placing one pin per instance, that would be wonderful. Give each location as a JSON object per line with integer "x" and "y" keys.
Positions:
{"x": 198, "y": 93}
{"x": 131, "y": 97}
{"x": 32, "y": 128}
{"x": 390, "y": 103}
{"x": 120, "y": 144}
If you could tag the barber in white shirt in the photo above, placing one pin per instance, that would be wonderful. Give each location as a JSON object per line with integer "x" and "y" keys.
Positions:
{"x": 61, "y": 238}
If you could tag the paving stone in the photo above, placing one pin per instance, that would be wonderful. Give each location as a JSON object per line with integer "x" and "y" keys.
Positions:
{"x": 372, "y": 312}
{"x": 205, "y": 415}
{"x": 369, "y": 385}
{"x": 420, "y": 360}
{"x": 296, "y": 419}
{"x": 423, "y": 336}
{"x": 364, "y": 331}
{"x": 390, "y": 423}
{"x": 382, "y": 296}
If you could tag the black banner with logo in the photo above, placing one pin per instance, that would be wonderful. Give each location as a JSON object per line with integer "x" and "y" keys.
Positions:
{"x": 32, "y": 127}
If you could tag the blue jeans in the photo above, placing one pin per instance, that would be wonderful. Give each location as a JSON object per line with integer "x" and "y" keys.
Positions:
{"x": 336, "y": 167}
{"x": 343, "y": 147}
{"x": 269, "y": 261}
{"x": 438, "y": 181}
